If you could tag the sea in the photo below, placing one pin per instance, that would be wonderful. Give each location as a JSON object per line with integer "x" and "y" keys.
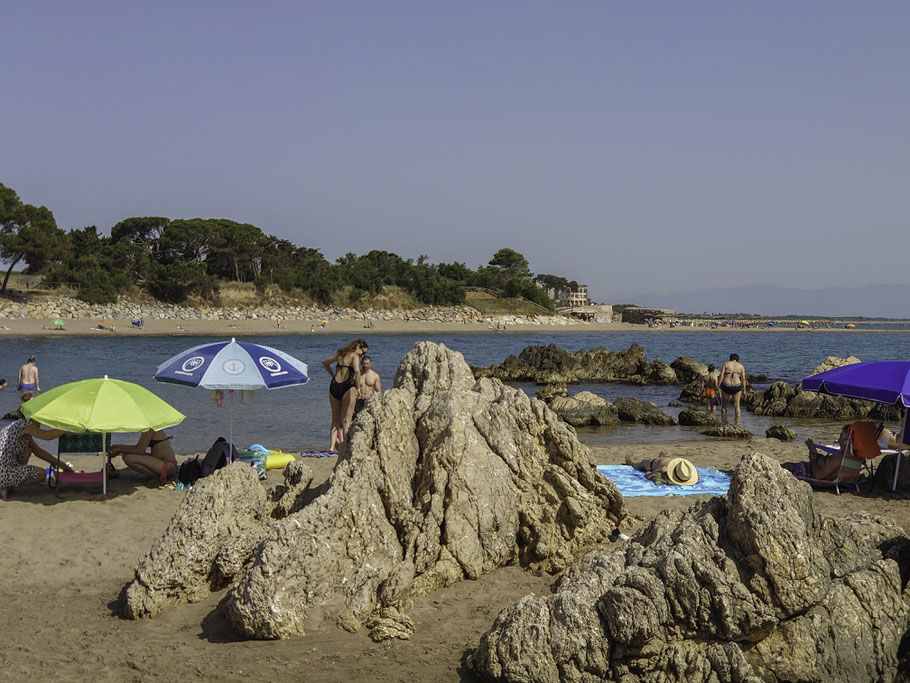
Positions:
{"x": 298, "y": 418}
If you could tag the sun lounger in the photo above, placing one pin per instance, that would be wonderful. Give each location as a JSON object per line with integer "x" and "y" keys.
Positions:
{"x": 855, "y": 466}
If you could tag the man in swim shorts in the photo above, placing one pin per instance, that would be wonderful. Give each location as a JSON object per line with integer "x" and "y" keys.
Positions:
{"x": 28, "y": 377}
{"x": 371, "y": 383}
{"x": 732, "y": 385}
{"x": 710, "y": 384}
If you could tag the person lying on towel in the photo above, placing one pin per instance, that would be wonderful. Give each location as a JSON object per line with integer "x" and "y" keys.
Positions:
{"x": 666, "y": 470}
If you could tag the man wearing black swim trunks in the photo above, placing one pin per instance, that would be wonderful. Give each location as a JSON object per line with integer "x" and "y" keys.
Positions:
{"x": 732, "y": 385}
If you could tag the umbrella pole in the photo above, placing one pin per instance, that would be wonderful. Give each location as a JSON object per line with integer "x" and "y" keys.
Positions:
{"x": 104, "y": 463}
{"x": 900, "y": 449}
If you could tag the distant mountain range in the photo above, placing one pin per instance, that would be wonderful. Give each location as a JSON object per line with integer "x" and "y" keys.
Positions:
{"x": 870, "y": 301}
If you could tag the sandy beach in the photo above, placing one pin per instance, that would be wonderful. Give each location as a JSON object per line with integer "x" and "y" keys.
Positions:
{"x": 66, "y": 561}
{"x": 260, "y": 327}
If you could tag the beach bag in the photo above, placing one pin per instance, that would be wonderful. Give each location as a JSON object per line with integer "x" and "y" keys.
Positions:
{"x": 189, "y": 472}
{"x": 219, "y": 455}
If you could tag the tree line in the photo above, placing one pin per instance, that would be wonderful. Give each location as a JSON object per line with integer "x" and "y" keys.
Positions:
{"x": 174, "y": 260}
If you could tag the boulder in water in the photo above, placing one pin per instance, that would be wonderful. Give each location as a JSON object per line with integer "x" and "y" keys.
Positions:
{"x": 636, "y": 410}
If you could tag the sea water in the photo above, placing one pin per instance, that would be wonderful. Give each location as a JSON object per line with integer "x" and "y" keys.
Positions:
{"x": 298, "y": 418}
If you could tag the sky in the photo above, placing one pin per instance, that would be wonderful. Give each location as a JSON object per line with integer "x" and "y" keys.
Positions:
{"x": 638, "y": 147}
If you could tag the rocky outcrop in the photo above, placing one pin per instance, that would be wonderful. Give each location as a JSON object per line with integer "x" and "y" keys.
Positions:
{"x": 550, "y": 391}
{"x": 554, "y": 365}
{"x": 213, "y": 534}
{"x": 697, "y": 418}
{"x": 688, "y": 370}
{"x": 782, "y": 400}
{"x": 585, "y": 408}
{"x": 728, "y": 431}
{"x": 277, "y": 308}
{"x": 441, "y": 479}
{"x": 643, "y": 412}
{"x": 752, "y": 586}
{"x": 780, "y": 432}
{"x": 832, "y": 362}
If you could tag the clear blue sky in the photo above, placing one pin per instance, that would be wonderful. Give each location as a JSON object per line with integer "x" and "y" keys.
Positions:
{"x": 636, "y": 146}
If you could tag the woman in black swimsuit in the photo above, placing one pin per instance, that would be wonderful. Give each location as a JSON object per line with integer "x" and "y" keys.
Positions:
{"x": 153, "y": 455}
{"x": 345, "y": 387}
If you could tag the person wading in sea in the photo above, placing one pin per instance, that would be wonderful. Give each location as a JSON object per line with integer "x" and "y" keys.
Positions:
{"x": 732, "y": 385}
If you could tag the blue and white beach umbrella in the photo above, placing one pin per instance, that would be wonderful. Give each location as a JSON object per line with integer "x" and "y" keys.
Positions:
{"x": 233, "y": 365}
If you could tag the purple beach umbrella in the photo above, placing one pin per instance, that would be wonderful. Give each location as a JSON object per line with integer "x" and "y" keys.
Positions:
{"x": 882, "y": 381}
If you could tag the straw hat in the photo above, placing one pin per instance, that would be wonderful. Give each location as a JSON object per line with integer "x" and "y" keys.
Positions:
{"x": 682, "y": 472}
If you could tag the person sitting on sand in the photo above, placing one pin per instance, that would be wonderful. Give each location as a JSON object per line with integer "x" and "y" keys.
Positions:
{"x": 666, "y": 470}
{"x": 152, "y": 455}
{"x": 888, "y": 440}
{"x": 17, "y": 444}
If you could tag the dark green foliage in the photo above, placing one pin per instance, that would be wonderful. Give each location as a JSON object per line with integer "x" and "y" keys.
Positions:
{"x": 176, "y": 259}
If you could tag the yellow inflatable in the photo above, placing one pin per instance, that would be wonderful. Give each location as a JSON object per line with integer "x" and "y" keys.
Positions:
{"x": 277, "y": 460}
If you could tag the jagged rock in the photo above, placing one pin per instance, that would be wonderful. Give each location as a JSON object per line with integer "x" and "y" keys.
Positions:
{"x": 674, "y": 404}
{"x": 772, "y": 401}
{"x": 290, "y": 496}
{"x": 688, "y": 370}
{"x": 215, "y": 530}
{"x": 730, "y": 431}
{"x": 661, "y": 373}
{"x": 441, "y": 479}
{"x": 754, "y": 586}
{"x": 697, "y": 418}
{"x": 636, "y": 410}
{"x": 780, "y": 432}
{"x": 883, "y": 479}
{"x": 554, "y": 365}
{"x": 550, "y": 391}
{"x": 585, "y": 408}
{"x": 832, "y": 362}
{"x": 693, "y": 392}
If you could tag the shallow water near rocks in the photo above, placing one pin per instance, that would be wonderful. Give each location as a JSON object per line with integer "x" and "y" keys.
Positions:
{"x": 297, "y": 418}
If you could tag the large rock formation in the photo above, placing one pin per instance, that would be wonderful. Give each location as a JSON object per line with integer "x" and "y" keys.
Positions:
{"x": 441, "y": 479}
{"x": 782, "y": 400}
{"x": 554, "y": 365}
{"x": 215, "y": 530}
{"x": 752, "y": 586}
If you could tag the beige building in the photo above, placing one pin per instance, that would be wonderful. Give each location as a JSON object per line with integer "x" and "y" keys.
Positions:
{"x": 579, "y": 297}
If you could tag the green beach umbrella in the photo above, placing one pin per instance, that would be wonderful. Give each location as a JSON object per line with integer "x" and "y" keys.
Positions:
{"x": 58, "y": 321}
{"x": 101, "y": 405}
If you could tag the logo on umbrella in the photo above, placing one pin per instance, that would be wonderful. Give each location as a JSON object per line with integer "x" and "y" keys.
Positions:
{"x": 271, "y": 365}
{"x": 190, "y": 365}
{"x": 233, "y": 366}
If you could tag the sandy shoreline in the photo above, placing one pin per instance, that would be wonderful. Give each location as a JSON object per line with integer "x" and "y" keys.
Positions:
{"x": 19, "y": 327}
{"x": 65, "y": 563}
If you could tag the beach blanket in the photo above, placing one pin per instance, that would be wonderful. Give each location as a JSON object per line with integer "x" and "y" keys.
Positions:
{"x": 319, "y": 454}
{"x": 632, "y": 482}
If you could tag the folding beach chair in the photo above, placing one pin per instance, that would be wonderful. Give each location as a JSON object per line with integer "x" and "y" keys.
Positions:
{"x": 855, "y": 468}
{"x": 76, "y": 444}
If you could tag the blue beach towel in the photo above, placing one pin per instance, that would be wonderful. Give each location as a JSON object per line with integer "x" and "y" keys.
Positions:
{"x": 632, "y": 482}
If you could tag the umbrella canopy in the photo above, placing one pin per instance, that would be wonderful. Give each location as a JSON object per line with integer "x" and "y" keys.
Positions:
{"x": 58, "y": 321}
{"x": 233, "y": 365}
{"x": 101, "y": 405}
{"x": 883, "y": 381}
